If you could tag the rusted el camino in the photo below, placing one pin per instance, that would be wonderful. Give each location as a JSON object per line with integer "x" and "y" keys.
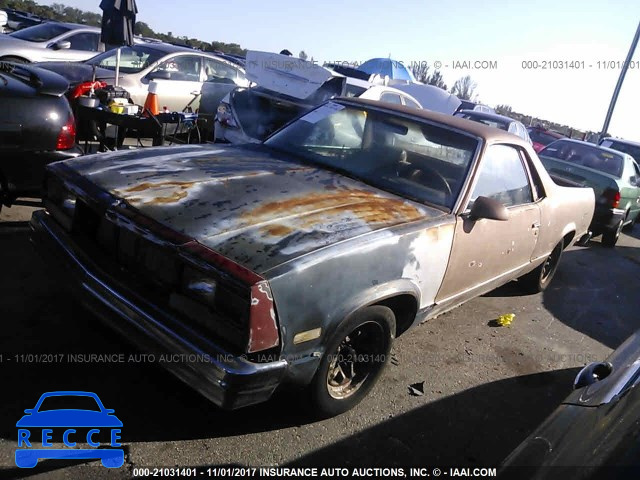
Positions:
{"x": 299, "y": 260}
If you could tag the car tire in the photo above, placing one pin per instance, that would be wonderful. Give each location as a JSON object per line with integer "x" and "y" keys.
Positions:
{"x": 353, "y": 362}
{"x": 14, "y": 59}
{"x": 539, "y": 279}
{"x": 610, "y": 237}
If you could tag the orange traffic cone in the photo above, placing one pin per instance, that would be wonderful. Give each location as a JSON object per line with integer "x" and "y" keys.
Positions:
{"x": 151, "y": 103}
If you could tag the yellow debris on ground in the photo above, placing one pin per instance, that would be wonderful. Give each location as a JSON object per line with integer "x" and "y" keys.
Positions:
{"x": 506, "y": 319}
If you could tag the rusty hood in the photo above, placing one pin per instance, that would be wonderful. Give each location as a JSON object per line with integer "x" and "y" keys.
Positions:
{"x": 250, "y": 204}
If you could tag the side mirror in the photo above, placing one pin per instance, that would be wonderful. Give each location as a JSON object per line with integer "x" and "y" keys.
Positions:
{"x": 109, "y": 411}
{"x": 62, "y": 45}
{"x": 592, "y": 373}
{"x": 485, "y": 207}
{"x": 29, "y": 411}
{"x": 159, "y": 74}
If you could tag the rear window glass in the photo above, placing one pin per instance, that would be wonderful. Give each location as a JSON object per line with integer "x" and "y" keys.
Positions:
{"x": 586, "y": 156}
{"x": 40, "y": 33}
{"x": 632, "y": 150}
{"x": 541, "y": 137}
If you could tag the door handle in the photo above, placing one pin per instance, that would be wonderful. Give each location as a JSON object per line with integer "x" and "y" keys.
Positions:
{"x": 536, "y": 225}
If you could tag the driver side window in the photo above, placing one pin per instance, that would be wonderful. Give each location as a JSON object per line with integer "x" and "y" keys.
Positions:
{"x": 85, "y": 41}
{"x": 503, "y": 177}
{"x": 184, "y": 68}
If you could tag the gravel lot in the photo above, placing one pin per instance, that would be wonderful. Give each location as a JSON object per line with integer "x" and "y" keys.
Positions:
{"x": 485, "y": 387}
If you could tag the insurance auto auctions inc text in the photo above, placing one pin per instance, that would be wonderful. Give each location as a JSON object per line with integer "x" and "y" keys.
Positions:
{"x": 333, "y": 472}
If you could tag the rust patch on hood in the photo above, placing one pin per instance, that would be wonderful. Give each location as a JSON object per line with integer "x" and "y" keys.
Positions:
{"x": 277, "y": 230}
{"x": 157, "y": 193}
{"x": 322, "y": 208}
{"x": 152, "y": 186}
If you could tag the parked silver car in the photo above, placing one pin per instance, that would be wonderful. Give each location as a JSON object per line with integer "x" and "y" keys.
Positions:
{"x": 178, "y": 71}
{"x": 52, "y": 41}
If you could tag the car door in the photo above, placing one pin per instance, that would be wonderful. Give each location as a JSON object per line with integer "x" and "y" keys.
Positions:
{"x": 220, "y": 79}
{"x": 487, "y": 251}
{"x": 179, "y": 80}
{"x": 83, "y": 45}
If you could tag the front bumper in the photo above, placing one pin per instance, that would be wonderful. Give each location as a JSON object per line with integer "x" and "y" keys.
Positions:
{"x": 606, "y": 218}
{"x": 227, "y": 380}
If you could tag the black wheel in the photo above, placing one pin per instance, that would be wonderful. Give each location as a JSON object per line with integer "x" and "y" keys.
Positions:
{"x": 610, "y": 237}
{"x": 14, "y": 59}
{"x": 539, "y": 279}
{"x": 354, "y": 359}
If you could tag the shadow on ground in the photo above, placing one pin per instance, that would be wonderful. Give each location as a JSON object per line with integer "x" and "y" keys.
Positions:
{"x": 479, "y": 426}
{"x": 602, "y": 304}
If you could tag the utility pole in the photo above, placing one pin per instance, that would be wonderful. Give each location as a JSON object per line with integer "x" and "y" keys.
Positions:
{"x": 616, "y": 91}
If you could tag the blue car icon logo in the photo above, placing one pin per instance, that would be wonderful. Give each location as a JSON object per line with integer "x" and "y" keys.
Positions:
{"x": 69, "y": 411}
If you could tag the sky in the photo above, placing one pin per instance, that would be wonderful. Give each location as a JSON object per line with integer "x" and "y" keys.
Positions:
{"x": 498, "y": 39}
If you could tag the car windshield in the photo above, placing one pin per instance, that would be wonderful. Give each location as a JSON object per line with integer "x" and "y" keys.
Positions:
{"x": 40, "y": 33}
{"x": 408, "y": 157}
{"x": 495, "y": 123}
{"x": 69, "y": 402}
{"x": 541, "y": 137}
{"x": 585, "y": 155}
{"x": 353, "y": 90}
{"x": 132, "y": 59}
{"x": 633, "y": 150}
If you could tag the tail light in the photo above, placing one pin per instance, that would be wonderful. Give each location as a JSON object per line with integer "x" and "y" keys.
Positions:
{"x": 612, "y": 197}
{"x": 67, "y": 135}
{"x": 224, "y": 115}
{"x": 85, "y": 87}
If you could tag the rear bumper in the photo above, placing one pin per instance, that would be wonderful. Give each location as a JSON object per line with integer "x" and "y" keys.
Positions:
{"x": 227, "y": 380}
{"x": 606, "y": 218}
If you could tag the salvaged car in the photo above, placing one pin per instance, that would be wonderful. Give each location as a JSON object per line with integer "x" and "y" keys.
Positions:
{"x": 286, "y": 88}
{"x": 37, "y": 127}
{"x": 596, "y": 428}
{"x": 613, "y": 175}
{"x": 299, "y": 260}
